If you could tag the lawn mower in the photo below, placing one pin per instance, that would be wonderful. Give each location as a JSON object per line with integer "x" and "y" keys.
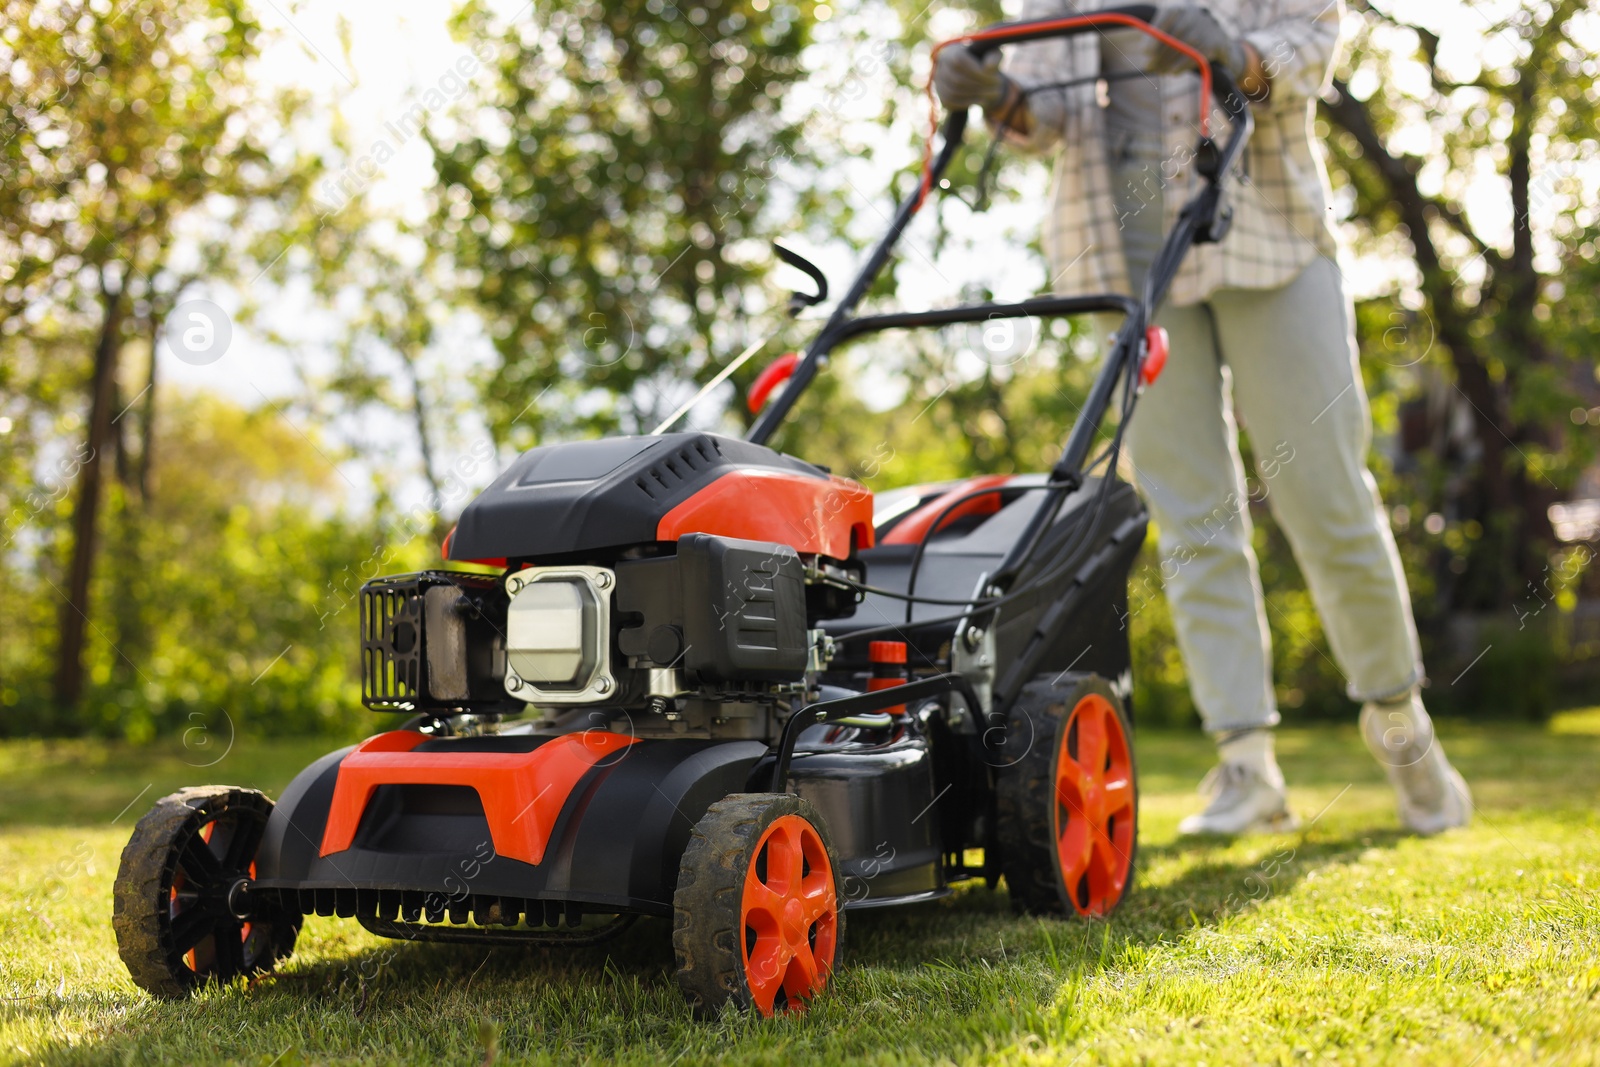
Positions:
{"x": 706, "y": 681}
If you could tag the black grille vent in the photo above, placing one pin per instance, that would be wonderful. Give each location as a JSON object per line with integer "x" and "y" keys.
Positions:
{"x": 396, "y": 674}
{"x": 673, "y": 470}
{"x": 440, "y": 915}
{"x": 391, "y": 644}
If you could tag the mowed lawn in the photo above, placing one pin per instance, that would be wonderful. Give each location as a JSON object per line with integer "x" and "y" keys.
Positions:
{"x": 1349, "y": 942}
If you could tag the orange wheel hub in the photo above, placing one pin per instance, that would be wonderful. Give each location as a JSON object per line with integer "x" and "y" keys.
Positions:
{"x": 1094, "y": 816}
{"x": 790, "y": 916}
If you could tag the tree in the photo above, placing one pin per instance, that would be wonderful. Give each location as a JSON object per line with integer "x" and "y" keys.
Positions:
{"x": 241, "y": 577}
{"x": 396, "y": 299}
{"x": 126, "y": 126}
{"x": 1522, "y": 105}
{"x": 606, "y": 215}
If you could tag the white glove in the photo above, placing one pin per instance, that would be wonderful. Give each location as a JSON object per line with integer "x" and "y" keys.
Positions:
{"x": 962, "y": 79}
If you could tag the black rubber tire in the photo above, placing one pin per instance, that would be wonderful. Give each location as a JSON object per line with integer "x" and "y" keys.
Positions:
{"x": 1025, "y": 793}
{"x": 155, "y": 934}
{"x": 708, "y": 936}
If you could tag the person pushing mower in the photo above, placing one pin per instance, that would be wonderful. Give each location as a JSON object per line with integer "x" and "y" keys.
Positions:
{"x": 1260, "y": 319}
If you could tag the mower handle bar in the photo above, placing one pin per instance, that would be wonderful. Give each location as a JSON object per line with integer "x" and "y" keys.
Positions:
{"x": 841, "y": 325}
{"x": 1205, "y": 217}
{"x": 1034, "y": 30}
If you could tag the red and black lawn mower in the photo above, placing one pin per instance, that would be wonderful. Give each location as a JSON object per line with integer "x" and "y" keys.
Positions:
{"x": 746, "y": 695}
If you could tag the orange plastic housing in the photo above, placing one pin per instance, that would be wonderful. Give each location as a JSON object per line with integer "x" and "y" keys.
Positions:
{"x": 522, "y": 792}
{"x": 776, "y": 373}
{"x": 444, "y": 552}
{"x": 918, "y": 526}
{"x": 812, "y": 515}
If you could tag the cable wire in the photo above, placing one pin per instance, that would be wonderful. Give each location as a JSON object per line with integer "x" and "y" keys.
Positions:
{"x": 1067, "y": 554}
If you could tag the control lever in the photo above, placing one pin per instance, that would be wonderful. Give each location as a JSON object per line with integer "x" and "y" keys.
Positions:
{"x": 798, "y": 302}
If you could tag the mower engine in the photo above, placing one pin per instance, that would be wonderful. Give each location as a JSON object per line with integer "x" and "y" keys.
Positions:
{"x": 643, "y": 579}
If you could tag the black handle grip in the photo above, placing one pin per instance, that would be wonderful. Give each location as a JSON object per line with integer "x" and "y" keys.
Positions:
{"x": 800, "y": 301}
{"x": 1038, "y": 29}
{"x": 844, "y": 707}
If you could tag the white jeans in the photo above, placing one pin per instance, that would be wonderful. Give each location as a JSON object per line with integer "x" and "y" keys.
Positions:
{"x": 1287, "y": 358}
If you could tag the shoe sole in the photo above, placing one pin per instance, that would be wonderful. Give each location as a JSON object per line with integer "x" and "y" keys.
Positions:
{"x": 1459, "y": 798}
{"x": 1460, "y": 801}
{"x": 1284, "y": 822}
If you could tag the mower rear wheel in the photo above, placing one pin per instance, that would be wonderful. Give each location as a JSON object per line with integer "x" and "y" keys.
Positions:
{"x": 185, "y": 911}
{"x": 756, "y": 918}
{"x": 1067, "y": 799}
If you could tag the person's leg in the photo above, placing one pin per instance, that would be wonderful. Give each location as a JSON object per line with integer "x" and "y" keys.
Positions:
{"x": 1300, "y": 397}
{"x": 1298, "y": 385}
{"x": 1182, "y": 443}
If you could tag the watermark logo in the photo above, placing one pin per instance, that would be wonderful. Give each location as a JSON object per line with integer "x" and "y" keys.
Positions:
{"x": 1002, "y": 342}
{"x": 198, "y": 332}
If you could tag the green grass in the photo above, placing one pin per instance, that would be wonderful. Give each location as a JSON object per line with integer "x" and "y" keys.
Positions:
{"x": 1350, "y": 942}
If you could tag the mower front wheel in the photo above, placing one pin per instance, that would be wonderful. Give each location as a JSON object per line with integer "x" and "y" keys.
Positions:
{"x": 185, "y": 911}
{"x": 756, "y": 918}
{"x": 1067, "y": 798}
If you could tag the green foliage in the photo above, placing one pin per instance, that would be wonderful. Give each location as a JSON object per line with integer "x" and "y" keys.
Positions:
{"x": 1519, "y": 670}
{"x": 1160, "y": 686}
{"x": 609, "y": 220}
{"x": 137, "y": 149}
{"x": 221, "y": 608}
{"x": 1468, "y": 161}
{"x": 114, "y": 128}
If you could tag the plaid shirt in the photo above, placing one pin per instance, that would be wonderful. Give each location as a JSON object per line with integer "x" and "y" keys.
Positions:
{"x": 1279, "y": 192}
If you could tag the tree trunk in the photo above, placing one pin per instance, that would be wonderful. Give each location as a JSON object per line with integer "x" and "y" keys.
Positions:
{"x": 85, "y": 513}
{"x": 419, "y": 415}
{"x": 132, "y": 524}
{"x": 147, "y": 419}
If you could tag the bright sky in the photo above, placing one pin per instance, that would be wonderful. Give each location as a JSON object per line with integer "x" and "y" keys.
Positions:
{"x": 393, "y": 60}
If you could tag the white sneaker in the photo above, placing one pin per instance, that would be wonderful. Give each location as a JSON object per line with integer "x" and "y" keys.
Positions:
{"x": 1433, "y": 796}
{"x": 1242, "y": 802}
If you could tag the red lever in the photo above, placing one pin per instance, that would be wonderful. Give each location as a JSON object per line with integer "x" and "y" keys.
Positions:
{"x": 1155, "y": 356}
{"x": 776, "y": 373}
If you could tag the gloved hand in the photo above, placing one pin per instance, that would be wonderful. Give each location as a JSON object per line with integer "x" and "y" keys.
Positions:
{"x": 1198, "y": 28}
{"x": 962, "y": 79}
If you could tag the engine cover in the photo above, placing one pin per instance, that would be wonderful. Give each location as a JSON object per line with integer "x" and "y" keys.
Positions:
{"x": 720, "y": 610}
{"x": 583, "y": 498}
